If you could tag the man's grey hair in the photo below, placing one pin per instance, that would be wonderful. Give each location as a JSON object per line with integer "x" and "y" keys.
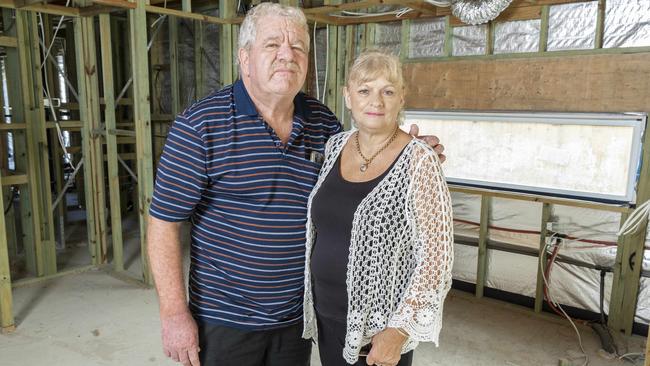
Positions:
{"x": 248, "y": 29}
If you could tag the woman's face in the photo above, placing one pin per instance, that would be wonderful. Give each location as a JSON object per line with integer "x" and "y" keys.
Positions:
{"x": 375, "y": 104}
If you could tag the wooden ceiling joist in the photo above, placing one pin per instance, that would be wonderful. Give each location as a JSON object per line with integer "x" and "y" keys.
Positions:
{"x": 518, "y": 10}
{"x": 41, "y": 8}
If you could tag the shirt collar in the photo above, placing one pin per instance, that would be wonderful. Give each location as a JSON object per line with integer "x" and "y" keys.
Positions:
{"x": 244, "y": 104}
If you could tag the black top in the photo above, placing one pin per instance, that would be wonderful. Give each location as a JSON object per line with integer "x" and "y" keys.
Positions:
{"x": 332, "y": 212}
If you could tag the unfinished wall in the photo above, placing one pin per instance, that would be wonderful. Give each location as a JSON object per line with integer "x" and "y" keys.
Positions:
{"x": 584, "y": 83}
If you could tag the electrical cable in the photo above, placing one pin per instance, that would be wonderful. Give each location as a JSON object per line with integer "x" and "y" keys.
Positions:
{"x": 352, "y": 14}
{"x": 536, "y": 232}
{"x": 130, "y": 81}
{"x": 547, "y": 273}
{"x": 12, "y": 197}
{"x": 46, "y": 87}
{"x": 564, "y": 313}
{"x": 640, "y": 356}
{"x": 56, "y": 30}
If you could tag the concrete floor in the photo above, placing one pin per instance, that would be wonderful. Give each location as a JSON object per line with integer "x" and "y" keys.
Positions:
{"x": 94, "y": 318}
{"x": 98, "y": 318}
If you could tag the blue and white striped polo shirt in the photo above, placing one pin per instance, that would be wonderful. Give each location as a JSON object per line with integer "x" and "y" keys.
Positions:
{"x": 246, "y": 194}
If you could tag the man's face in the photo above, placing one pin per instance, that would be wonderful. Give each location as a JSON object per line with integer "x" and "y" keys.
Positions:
{"x": 276, "y": 63}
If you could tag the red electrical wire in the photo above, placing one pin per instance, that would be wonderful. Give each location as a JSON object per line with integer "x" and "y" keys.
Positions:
{"x": 534, "y": 232}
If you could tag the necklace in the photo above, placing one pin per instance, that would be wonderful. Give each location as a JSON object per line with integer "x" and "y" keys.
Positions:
{"x": 367, "y": 161}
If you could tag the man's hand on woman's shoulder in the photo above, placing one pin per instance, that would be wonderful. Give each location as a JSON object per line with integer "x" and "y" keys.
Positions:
{"x": 433, "y": 141}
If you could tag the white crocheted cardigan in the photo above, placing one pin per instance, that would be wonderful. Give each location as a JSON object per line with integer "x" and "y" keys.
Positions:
{"x": 399, "y": 268}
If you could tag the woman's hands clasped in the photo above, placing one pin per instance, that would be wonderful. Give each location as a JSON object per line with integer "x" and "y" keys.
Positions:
{"x": 386, "y": 348}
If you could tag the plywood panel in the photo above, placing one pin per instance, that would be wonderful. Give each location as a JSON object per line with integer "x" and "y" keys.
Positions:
{"x": 584, "y": 83}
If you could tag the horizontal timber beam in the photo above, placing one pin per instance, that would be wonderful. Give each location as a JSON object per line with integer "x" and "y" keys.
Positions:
{"x": 68, "y": 11}
{"x": 542, "y": 199}
{"x": 14, "y": 180}
{"x": 8, "y": 41}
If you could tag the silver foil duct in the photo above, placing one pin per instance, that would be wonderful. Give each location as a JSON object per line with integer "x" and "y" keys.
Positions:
{"x": 478, "y": 11}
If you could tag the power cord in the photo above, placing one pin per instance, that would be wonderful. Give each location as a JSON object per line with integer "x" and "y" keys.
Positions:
{"x": 558, "y": 306}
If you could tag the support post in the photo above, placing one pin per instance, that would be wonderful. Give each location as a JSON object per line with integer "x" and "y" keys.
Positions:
{"x": 14, "y": 90}
{"x": 142, "y": 118}
{"x": 56, "y": 150}
{"x": 173, "y": 65}
{"x": 481, "y": 270}
{"x": 9, "y": 216}
{"x": 111, "y": 140}
{"x": 448, "y": 48}
{"x": 541, "y": 257}
{"x": 350, "y": 41}
{"x": 334, "y": 64}
{"x": 405, "y": 30}
{"x": 199, "y": 61}
{"x": 600, "y": 25}
{"x": 6, "y": 300}
{"x": 489, "y": 38}
{"x": 88, "y": 84}
{"x": 228, "y": 53}
{"x": 543, "y": 29}
{"x": 629, "y": 258}
{"x": 36, "y": 141}
{"x": 647, "y": 350}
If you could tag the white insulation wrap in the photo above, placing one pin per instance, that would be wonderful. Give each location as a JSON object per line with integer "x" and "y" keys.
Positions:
{"x": 515, "y": 37}
{"x": 518, "y": 223}
{"x": 470, "y": 40}
{"x": 572, "y": 26}
{"x": 427, "y": 37}
{"x": 627, "y": 23}
{"x": 389, "y": 36}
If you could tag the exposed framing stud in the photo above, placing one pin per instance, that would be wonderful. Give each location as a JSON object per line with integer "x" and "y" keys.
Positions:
{"x": 228, "y": 53}
{"x": 14, "y": 90}
{"x": 600, "y": 25}
{"x": 406, "y": 35}
{"x": 629, "y": 259}
{"x": 543, "y": 29}
{"x": 199, "y": 61}
{"x": 334, "y": 58}
{"x": 6, "y": 301}
{"x": 36, "y": 140}
{"x": 539, "y": 290}
{"x": 449, "y": 37}
{"x": 57, "y": 152}
{"x": 111, "y": 141}
{"x": 173, "y": 65}
{"x": 489, "y": 41}
{"x": 88, "y": 83}
{"x": 481, "y": 268}
{"x": 142, "y": 118}
{"x": 350, "y": 43}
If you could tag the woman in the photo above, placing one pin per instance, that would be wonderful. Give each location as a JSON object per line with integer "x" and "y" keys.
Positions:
{"x": 379, "y": 231}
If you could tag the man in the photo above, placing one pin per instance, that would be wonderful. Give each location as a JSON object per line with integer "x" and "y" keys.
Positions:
{"x": 240, "y": 164}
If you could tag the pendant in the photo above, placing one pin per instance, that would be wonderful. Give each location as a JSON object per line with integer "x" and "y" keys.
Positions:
{"x": 363, "y": 167}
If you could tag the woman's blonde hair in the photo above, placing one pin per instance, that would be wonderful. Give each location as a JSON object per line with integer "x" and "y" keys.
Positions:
{"x": 372, "y": 64}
